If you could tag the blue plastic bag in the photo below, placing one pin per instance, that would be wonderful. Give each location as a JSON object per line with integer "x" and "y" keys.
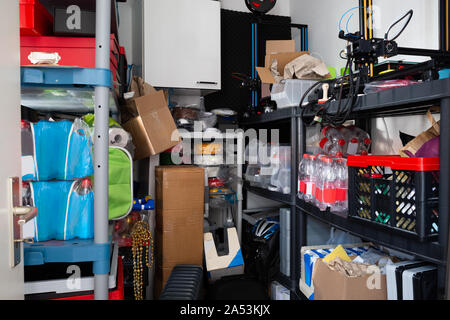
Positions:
{"x": 62, "y": 151}
{"x": 65, "y": 210}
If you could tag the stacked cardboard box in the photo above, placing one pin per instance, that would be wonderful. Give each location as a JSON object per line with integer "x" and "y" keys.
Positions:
{"x": 179, "y": 220}
{"x": 146, "y": 116}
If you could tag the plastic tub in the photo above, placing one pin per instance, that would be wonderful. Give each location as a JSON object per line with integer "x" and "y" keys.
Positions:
{"x": 74, "y": 51}
{"x": 35, "y": 20}
{"x": 288, "y": 93}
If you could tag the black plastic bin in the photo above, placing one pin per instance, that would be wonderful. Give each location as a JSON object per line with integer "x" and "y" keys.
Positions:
{"x": 397, "y": 193}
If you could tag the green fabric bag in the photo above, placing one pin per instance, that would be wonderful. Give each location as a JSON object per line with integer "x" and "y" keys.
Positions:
{"x": 120, "y": 183}
{"x": 120, "y": 176}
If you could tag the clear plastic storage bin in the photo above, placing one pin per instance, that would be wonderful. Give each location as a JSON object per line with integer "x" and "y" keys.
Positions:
{"x": 288, "y": 93}
{"x": 281, "y": 164}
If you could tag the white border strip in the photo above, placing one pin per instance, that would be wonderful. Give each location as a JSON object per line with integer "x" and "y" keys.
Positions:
{"x": 67, "y": 154}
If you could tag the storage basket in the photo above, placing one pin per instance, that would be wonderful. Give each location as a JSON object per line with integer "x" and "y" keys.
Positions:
{"x": 397, "y": 193}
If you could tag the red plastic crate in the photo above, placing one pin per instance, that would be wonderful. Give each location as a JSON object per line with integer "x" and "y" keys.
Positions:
{"x": 74, "y": 51}
{"x": 395, "y": 162}
{"x": 400, "y": 194}
{"x": 117, "y": 294}
{"x": 35, "y": 20}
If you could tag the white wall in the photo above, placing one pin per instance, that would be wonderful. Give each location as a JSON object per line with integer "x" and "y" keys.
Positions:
{"x": 322, "y": 17}
{"x": 282, "y": 8}
{"x": 130, "y": 31}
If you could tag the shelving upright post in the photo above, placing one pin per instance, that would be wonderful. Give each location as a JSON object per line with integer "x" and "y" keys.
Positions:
{"x": 101, "y": 169}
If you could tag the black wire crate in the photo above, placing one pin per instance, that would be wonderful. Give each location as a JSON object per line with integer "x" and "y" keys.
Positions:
{"x": 398, "y": 193}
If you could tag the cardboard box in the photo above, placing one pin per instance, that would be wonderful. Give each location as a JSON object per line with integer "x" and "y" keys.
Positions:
{"x": 179, "y": 219}
{"x": 227, "y": 265}
{"x": 282, "y": 55}
{"x": 310, "y": 254}
{"x": 279, "y": 46}
{"x": 333, "y": 285}
{"x": 179, "y": 188}
{"x": 151, "y": 125}
{"x": 161, "y": 277}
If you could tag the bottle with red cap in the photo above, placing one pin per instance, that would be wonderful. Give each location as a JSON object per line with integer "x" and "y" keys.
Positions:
{"x": 359, "y": 142}
{"x": 333, "y": 147}
{"x": 325, "y": 189}
{"x": 306, "y": 177}
{"x": 341, "y": 184}
{"x": 83, "y": 186}
{"x": 333, "y": 142}
{"x": 316, "y": 176}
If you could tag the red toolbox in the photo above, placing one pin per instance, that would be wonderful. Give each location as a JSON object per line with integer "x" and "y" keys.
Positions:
{"x": 35, "y": 20}
{"x": 74, "y": 51}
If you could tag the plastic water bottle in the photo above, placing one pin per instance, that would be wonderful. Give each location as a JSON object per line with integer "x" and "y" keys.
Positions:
{"x": 315, "y": 169}
{"x": 360, "y": 142}
{"x": 316, "y": 177}
{"x": 341, "y": 204}
{"x": 333, "y": 146}
{"x": 325, "y": 190}
{"x": 83, "y": 186}
{"x": 302, "y": 177}
{"x": 306, "y": 178}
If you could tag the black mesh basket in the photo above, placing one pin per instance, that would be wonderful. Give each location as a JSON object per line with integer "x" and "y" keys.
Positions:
{"x": 397, "y": 193}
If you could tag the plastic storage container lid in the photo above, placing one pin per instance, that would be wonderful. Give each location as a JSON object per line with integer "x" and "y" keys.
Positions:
{"x": 395, "y": 162}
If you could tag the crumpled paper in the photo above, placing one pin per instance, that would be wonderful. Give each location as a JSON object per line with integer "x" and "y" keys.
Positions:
{"x": 350, "y": 269}
{"x": 306, "y": 67}
{"x": 274, "y": 69}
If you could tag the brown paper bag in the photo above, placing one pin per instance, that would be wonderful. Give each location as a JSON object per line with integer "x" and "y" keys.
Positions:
{"x": 306, "y": 67}
{"x": 414, "y": 145}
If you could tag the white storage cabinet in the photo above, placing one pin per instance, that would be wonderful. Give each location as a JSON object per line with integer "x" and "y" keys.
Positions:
{"x": 182, "y": 47}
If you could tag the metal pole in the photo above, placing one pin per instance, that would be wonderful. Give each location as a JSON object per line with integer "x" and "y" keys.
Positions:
{"x": 295, "y": 237}
{"x": 240, "y": 163}
{"x": 101, "y": 145}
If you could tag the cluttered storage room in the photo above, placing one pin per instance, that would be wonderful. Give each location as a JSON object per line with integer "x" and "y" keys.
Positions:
{"x": 224, "y": 150}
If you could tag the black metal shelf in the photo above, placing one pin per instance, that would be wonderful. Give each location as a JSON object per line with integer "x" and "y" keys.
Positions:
{"x": 271, "y": 195}
{"x": 278, "y": 115}
{"x": 397, "y": 101}
{"x": 428, "y": 251}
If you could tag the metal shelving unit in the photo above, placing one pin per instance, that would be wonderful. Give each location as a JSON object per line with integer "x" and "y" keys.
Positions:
{"x": 272, "y": 195}
{"x": 238, "y": 157}
{"x": 284, "y": 118}
{"x": 415, "y": 99}
{"x": 67, "y": 83}
{"x": 428, "y": 251}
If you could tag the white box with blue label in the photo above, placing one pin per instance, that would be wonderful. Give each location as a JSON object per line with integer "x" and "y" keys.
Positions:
{"x": 219, "y": 265}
